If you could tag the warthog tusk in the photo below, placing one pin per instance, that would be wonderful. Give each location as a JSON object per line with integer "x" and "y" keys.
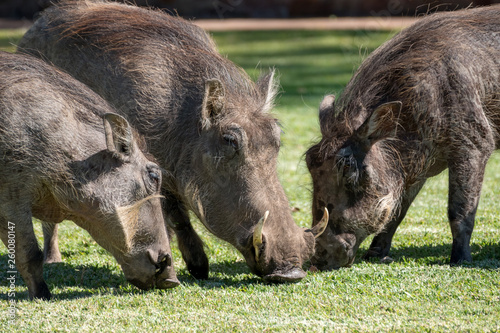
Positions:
{"x": 257, "y": 234}
{"x": 319, "y": 228}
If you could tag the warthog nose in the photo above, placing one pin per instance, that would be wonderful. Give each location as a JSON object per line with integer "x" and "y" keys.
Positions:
{"x": 165, "y": 277}
{"x": 164, "y": 261}
{"x": 161, "y": 261}
{"x": 169, "y": 279}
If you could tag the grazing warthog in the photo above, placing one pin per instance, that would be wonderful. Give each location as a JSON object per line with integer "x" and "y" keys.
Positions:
{"x": 203, "y": 118}
{"x": 427, "y": 100}
{"x": 61, "y": 161}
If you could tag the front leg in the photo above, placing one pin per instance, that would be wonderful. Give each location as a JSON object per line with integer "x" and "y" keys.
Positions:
{"x": 381, "y": 243}
{"x": 190, "y": 244}
{"x": 28, "y": 256}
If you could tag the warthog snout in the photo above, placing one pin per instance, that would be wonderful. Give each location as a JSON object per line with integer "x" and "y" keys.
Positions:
{"x": 165, "y": 276}
{"x": 335, "y": 251}
{"x": 288, "y": 269}
{"x": 292, "y": 275}
{"x": 158, "y": 273}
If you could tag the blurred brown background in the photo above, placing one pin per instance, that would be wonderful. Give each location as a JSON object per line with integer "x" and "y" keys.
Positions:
{"x": 27, "y": 9}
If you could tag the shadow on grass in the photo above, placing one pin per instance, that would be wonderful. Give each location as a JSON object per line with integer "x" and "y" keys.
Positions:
{"x": 484, "y": 256}
{"x": 92, "y": 280}
{"x": 223, "y": 275}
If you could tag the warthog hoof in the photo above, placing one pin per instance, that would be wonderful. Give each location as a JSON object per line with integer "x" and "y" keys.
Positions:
{"x": 41, "y": 292}
{"x": 386, "y": 260}
{"x": 372, "y": 253}
{"x": 198, "y": 272}
{"x": 54, "y": 259}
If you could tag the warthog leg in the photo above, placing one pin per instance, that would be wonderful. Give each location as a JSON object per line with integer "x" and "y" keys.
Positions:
{"x": 466, "y": 178}
{"x": 28, "y": 256}
{"x": 190, "y": 244}
{"x": 51, "y": 253}
{"x": 382, "y": 242}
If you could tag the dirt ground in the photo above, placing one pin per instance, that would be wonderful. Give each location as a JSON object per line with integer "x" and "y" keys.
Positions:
{"x": 341, "y": 23}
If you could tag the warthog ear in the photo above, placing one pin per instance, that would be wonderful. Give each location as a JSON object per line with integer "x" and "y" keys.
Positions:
{"x": 119, "y": 137}
{"x": 268, "y": 86}
{"x": 213, "y": 101}
{"x": 382, "y": 124}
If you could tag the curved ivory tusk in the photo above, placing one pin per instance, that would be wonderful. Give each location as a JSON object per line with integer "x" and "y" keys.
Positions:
{"x": 257, "y": 234}
{"x": 319, "y": 228}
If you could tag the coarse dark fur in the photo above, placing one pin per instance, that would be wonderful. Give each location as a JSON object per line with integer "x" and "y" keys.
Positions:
{"x": 61, "y": 161}
{"x": 427, "y": 100}
{"x": 203, "y": 118}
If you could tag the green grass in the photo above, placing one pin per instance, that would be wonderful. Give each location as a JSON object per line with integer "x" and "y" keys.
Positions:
{"x": 418, "y": 292}
{"x": 9, "y": 38}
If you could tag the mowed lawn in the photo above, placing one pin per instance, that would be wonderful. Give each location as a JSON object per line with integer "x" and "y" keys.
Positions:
{"x": 419, "y": 291}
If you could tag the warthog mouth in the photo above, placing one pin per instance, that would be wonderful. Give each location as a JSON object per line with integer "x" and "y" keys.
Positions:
{"x": 293, "y": 275}
{"x": 325, "y": 261}
{"x": 141, "y": 284}
{"x": 167, "y": 283}
{"x": 159, "y": 283}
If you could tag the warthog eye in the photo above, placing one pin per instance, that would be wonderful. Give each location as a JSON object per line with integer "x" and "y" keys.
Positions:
{"x": 154, "y": 175}
{"x": 153, "y": 179}
{"x": 231, "y": 140}
{"x": 348, "y": 168}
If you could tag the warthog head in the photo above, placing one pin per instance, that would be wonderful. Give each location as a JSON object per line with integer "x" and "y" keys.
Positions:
{"x": 236, "y": 180}
{"x": 353, "y": 180}
{"x": 117, "y": 199}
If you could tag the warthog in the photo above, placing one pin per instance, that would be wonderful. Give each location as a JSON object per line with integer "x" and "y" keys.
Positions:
{"x": 203, "y": 118}
{"x": 61, "y": 161}
{"x": 427, "y": 100}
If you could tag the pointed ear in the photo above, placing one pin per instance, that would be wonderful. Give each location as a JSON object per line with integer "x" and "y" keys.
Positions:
{"x": 213, "y": 101}
{"x": 326, "y": 112}
{"x": 382, "y": 124}
{"x": 268, "y": 87}
{"x": 119, "y": 137}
